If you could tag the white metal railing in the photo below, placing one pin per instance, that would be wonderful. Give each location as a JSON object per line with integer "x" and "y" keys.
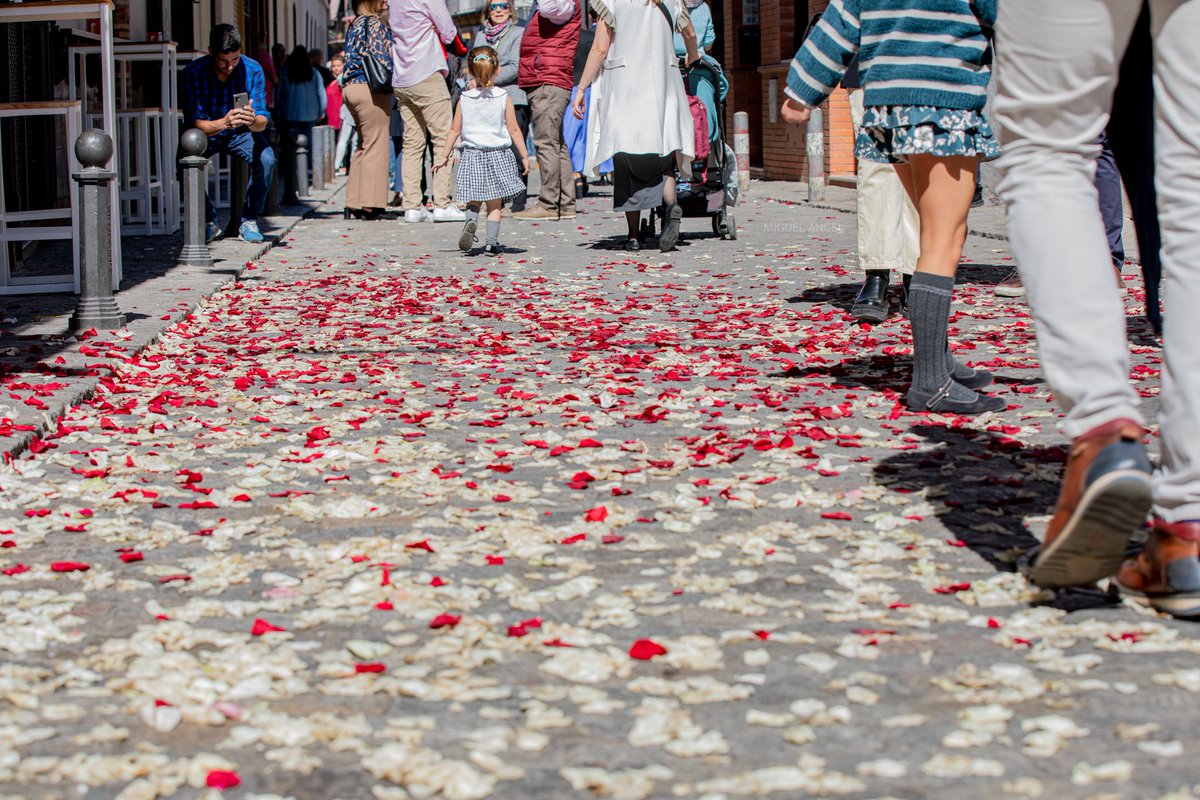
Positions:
{"x": 145, "y": 138}
{"x": 22, "y": 228}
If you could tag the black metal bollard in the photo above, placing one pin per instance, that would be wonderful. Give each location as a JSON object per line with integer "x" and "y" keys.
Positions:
{"x": 194, "y": 253}
{"x": 302, "y": 166}
{"x": 96, "y": 307}
{"x": 271, "y": 207}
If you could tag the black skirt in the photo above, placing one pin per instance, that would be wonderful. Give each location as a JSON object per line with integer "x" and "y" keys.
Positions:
{"x": 638, "y": 180}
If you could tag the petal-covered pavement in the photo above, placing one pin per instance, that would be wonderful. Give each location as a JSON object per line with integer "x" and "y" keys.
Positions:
{"x": 384, "y": 521}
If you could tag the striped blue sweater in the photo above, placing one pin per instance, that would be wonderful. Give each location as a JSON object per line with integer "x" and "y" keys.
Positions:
{"x": 913, "y": 52}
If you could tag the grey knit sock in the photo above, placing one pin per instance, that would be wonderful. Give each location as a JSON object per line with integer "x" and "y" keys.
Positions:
{"x": 472, "y": 213}
{"x": 493, "y": 232}
{"x": 929, "y": 310}
{"x": 961, "y": 372}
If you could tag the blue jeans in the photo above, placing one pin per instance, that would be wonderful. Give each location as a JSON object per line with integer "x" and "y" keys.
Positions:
{"x": 254, "y": 150}
{"x": 1108, "y": 186}
{"x": 397, "y": 162}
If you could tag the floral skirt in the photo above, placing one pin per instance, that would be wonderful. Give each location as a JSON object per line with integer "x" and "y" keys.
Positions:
{"x": 890, "y": 134}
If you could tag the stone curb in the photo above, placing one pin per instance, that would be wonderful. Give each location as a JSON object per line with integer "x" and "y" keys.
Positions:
{"x": 84, "y": 387}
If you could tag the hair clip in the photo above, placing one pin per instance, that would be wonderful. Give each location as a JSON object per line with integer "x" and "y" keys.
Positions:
{"x": 482, "y": 57}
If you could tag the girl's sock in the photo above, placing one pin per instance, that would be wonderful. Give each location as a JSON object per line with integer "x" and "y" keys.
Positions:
{"x": 472, "y": 214}
{"x": 961, "y": 372}
{"x": 493, "y": 232}
{"x": 929, "y": 310}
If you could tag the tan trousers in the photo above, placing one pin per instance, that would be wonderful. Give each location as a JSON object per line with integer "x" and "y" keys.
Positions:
{"x": 424, "y": 107}
{"x": 547, "y": 105}
{"x": 372, "y": 111}
{"x": 888, "y": 227}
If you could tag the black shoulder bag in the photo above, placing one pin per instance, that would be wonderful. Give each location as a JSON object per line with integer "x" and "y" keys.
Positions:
{"x": 379, "y": 75}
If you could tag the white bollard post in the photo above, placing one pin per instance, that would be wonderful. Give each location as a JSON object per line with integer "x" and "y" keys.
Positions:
{"x": 815, "y": 139}
{"x": 741, "y": 149}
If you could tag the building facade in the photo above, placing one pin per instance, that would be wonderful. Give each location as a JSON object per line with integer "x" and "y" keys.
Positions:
{"x": 761, "y": 37}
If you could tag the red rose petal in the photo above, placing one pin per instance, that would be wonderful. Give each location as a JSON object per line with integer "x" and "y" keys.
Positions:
{"x": 222, "y": 779}
{"x": 261, "y": 626}
{"x": 646, "y": 649}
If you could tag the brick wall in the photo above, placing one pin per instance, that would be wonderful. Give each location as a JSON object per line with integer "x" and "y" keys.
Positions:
{"x": 784, "y": 150}
{"x": 745, "y": 87}
{"x": 839, "y": 135}
{"x": 769, "y": 17}
{"x": 776, "y": 147}
{"x": 785, "y": 154}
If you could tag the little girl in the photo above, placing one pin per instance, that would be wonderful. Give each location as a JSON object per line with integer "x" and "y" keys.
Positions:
{"x": 925, "y": 66}
{"x": 487, "y": 171}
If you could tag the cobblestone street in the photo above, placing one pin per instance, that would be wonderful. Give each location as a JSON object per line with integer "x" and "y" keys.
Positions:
{"x": 381, "y": 520}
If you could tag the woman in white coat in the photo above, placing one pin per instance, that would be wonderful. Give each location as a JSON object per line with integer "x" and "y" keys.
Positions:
{"x": 639, "y": 115}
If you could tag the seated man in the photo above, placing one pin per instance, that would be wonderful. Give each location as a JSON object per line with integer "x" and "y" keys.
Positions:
{"x": 207, "y": 91}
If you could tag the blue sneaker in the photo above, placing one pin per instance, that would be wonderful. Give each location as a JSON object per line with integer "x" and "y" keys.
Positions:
{"x": 249, "y": 232}
{"x": 212, "y": 230}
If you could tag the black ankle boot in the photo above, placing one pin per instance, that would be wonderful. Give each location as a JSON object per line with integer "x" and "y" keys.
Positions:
{"x": 905, "y": 283}
{"x": 871, "y": 305}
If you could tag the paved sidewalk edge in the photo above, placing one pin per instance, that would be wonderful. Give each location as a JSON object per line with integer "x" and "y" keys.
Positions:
{"x": 20, "y": 442}
{"x": 831, "y": 206}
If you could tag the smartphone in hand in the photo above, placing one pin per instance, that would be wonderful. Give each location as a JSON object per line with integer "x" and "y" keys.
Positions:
{"x": 240, "y": 101}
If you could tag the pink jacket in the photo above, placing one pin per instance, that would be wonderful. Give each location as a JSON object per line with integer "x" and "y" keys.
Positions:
{"x": 419, "y": 27}
{"x": 333, "y": 104}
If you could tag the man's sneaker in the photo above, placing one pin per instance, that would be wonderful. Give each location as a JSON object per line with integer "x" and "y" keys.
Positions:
{"x": 537, "y": 212}
{"x": 1105, "y": 497}
{"x": 418, "y": 215}
{"x": 248, "y": 232}
{"x": 212, "y": 230}
{"x": 466, "y": 239}
{"x": 1166, "y": 574}
{"x": 450, "y": 213}
{"x": 1010, "y": 286}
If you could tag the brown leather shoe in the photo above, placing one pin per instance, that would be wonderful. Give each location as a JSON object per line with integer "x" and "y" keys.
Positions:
{"x": 1105, "y": 497}
{"x": 1166, "y": 574}
{"x": 537, "y": 212}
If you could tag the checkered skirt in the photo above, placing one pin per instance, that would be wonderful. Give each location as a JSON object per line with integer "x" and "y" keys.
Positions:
{"x": 487, "y": 174}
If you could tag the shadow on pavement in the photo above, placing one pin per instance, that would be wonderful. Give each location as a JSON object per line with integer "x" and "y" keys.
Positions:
{"x": 984, "y": 484}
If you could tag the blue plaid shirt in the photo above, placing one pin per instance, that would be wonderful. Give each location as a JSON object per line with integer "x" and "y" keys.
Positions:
{"x": 202, "y": 96}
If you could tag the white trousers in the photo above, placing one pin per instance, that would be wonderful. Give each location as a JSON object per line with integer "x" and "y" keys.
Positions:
{"x": 888, "y": 227}
{"x": 1056, "y": 66}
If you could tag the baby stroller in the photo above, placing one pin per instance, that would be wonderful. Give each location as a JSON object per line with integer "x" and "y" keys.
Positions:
{"x": 712, "y": 192}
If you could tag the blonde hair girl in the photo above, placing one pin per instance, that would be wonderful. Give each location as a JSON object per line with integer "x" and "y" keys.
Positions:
{"x": 487, "y": 170}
